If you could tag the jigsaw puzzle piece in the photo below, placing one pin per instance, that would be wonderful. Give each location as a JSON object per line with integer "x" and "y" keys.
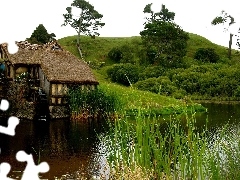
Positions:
{"x": 31, "y": 171}
{"x": 4, "y": 105}
{"x": 10, "y": 130}
{"x": 12, "y": 121}
{"x": 12, "y": 47}
{"x": 4, "y": 170}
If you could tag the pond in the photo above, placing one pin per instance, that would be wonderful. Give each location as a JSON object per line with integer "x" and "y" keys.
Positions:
{"x": 72, "y": 147}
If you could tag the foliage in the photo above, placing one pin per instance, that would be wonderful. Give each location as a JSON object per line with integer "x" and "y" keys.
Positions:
{"x": 100, "y": 101}
{"x": 97, "y": 49}
{"x": 164, "y": 40}
{"x": 206, "y": 80}
{"x": 152, "y": 71}
{"x": 123, "y": 54}
{"x": 222, "y": 19}
{"x": 87, "y": 22}
{"x": 115, "y": 54}
{"x": 163, "y": 15}
{"x": 171, "y": 149}
{"x": 40, "y": 35}
{"x": 161, "y": 85}
{"x": 206, "y": 55}
{"x": 3, "y": 79}
{"x": 150, "y": 103}
{"x": 127, "y": 54}
{"x": 211, "y": 80}
{"x": 125, "y": 74}
{"x": 237, "y": 92}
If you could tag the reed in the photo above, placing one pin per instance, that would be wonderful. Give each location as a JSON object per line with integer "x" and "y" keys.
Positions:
{"x": 170, "y": 149}
{"x": 92, "y": 103}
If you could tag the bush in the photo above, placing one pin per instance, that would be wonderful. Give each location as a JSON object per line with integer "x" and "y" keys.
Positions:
{"x": 237, "y": 92}
{"x": 125, "y": 74}
{"x": 153, "y": 71}
{"x": 122, "y": 54}
{"x": 127, "y": 54}
{"x": 206, "y": 55}
{"x": 179, "y": 94}
{"x": 115, "y": 54}
{"x": 207, "y": 80}
{"x": 161, "y": 85}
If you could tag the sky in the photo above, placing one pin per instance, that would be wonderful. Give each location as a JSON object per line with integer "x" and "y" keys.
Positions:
{"x": 123, "y": 18}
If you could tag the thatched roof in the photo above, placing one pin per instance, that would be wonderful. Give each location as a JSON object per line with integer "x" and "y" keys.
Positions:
{"x": 57, "y": 64}
{"x": 64, "y": 67}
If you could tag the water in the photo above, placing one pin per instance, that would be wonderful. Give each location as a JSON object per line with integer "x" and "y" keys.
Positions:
{"x": 72, "y": 147}
{"x": 219, "y": 115}
{"x": 68, "y": 146}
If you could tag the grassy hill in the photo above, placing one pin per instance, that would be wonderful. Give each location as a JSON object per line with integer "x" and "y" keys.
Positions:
{"x": 98, "y": 48}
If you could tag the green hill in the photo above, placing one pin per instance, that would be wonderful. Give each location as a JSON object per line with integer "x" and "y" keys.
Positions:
{"x": 98, "y": 48}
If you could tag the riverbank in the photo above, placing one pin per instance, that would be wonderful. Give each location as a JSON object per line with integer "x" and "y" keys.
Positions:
{"x": 176, "y": 152}
{"x": 133, "y": 100}
{"x": 217, "y": 101}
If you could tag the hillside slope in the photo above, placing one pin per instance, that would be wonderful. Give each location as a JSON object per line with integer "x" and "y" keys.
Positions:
{"x": 98, "y": 48}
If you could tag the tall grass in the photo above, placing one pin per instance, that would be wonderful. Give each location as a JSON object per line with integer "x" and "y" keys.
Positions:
{"x": 92, "y": 103}
{"x": 171, "y": 150}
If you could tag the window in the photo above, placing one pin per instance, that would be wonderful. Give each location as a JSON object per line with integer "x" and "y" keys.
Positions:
{"x": 54, "y": 89}
{"x": 53, "y": 100}
{"x": 60, "y": 89}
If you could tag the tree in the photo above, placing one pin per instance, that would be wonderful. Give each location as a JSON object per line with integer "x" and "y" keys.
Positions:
{"x": 40, "y": 35}
{"x": 223, "y": 19}
{"x": 163, "y": 15}
{"x": 87, "y": 22}
{"x": 165, "y": 39}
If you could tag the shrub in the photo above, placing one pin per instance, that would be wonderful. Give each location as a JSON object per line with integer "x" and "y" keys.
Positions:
{"x": 237, "y": 92}
{"x": 115, "y": 54}
{"x": 153, "y": 71}
{"x": 123, "y": 54}
{"x": 179, "y": 94}
{"x": 161, "y": 85}
{"x": 125, "y": 74}
{"x": 127, "y": 54}
{"x": 210, "y": 80}
{"x": 206, "y": 55}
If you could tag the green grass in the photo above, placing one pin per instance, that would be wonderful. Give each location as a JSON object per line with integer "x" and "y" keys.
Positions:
{"x": 132, "y": 100}
{"x": 98, "y": 48}
{"x": 197, "y": 41}
{"x": 180, "y": 151}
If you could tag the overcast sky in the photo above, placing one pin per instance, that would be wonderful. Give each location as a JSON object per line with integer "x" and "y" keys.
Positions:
{"x": 123, "y": 18}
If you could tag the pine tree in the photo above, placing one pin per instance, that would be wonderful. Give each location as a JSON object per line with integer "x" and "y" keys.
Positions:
{"x": 40, "y": 35}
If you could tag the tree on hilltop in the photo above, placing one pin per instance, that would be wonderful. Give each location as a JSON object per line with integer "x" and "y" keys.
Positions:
{"x": 223, "y": 19}
{"x": 86, "y": 22}
{"x": 40, "y": 35}
{"x": 165, "y": 42}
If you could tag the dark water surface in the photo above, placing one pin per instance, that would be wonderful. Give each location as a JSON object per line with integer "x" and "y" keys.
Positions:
{"x": 71, "y": 147}
{"x": 219, "y": 115}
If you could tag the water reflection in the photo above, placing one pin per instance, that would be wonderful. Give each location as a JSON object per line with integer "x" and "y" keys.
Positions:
{"x": 72, "y": 148}
{"x": 67, "y": 146}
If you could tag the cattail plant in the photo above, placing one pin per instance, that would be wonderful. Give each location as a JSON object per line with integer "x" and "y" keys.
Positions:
{"x": 171, "y": 149}
{"x": 92, "y": 103}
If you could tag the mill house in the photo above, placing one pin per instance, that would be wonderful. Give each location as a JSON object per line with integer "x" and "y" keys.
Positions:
{"x": 49, "y": 68}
